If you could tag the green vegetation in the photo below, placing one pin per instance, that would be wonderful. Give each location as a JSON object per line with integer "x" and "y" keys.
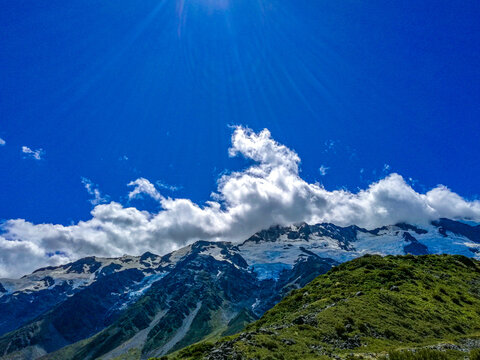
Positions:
{"x": 365, "y": 309}
{"x": 475, "y": 354}
{"x": 129, "y": 355}
{"x": 195, "y": 351}
{"x": 239, "y": 322}
{"x": 423, "y": 354}
{"x": 429, "y": 354}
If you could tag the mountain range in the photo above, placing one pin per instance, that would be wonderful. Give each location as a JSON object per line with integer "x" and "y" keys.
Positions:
{"x": 136, "y": 307}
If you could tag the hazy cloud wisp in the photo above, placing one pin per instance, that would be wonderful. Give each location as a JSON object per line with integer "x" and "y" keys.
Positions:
{"x": 93, "y": 190}
{"x": 34, "y": 154}
{"x": 323, "y": 170}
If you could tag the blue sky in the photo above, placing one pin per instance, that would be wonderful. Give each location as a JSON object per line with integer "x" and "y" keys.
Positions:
{"x": 106, "y": 92}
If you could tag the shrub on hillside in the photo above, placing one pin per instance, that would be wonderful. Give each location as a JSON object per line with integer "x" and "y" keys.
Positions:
{"x": 475, "y": 354}
{"x": 424, "y": 354}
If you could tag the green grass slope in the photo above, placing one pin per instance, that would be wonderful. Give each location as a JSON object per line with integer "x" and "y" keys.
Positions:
{"x": 366, "y": 308}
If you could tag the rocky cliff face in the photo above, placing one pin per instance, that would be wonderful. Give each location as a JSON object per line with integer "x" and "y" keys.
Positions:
{"x": 151, "y": 305}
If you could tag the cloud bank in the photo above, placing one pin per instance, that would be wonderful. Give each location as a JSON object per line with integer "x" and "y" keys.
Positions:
{"x": 268, "y": 192}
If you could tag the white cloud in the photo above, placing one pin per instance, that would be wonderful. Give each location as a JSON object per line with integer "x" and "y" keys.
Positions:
{"x": 268, "y": 192}
{"x": 323, "y": 170}
{"x": 34, "y": 154}
{"x": 93, "y": 190}
{"x": 2, "y": 142}
{"x": 20, "y": 257}
{"x": 143, "y": 186}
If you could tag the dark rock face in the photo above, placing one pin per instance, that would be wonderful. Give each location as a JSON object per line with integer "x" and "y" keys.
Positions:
{"x": 408, "y": 227}
{"x": 109, "y": 270}
{"x": 414, "y": 247}
{"x": 48, "y": 281}
{"x": 470, "y": 232}
{"x": 81, "y": 266}
{"x": 98, "y": 301}
{"x": 17, "y": 309}
{"x": 148, "y": 257}
{"x": 344, "y": 235}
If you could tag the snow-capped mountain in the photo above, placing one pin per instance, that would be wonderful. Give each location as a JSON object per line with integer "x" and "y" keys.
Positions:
{"x": 77, "y": 274}
{"x": 152, "y": 305}
{"x": 23, "y": 299}
{"x": 282, "y": 246}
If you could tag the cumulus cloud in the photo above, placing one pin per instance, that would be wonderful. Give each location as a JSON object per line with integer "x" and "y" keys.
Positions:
{"x": 268, "y": 192}
{"x": 2, "y": 142}
{"x": 93, "y": 190}
{"x": 33, "y": 154}
{"x": 19, "y": 257}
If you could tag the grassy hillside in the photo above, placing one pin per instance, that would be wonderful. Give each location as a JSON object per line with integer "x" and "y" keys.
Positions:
{"x": 366, "y": 308}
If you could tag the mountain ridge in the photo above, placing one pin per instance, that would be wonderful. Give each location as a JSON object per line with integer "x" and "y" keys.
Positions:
{"x": 278, "y": 259}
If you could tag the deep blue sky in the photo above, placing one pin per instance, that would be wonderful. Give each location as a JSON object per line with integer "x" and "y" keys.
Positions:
{"x": 89, "y": 82}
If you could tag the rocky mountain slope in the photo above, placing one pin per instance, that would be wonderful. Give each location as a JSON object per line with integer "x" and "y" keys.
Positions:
{"x": 24, "y": 299}
{"x": 364, "y": 308}
{"x": 210, "y": 290}
{"x": 151, "y": 305}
